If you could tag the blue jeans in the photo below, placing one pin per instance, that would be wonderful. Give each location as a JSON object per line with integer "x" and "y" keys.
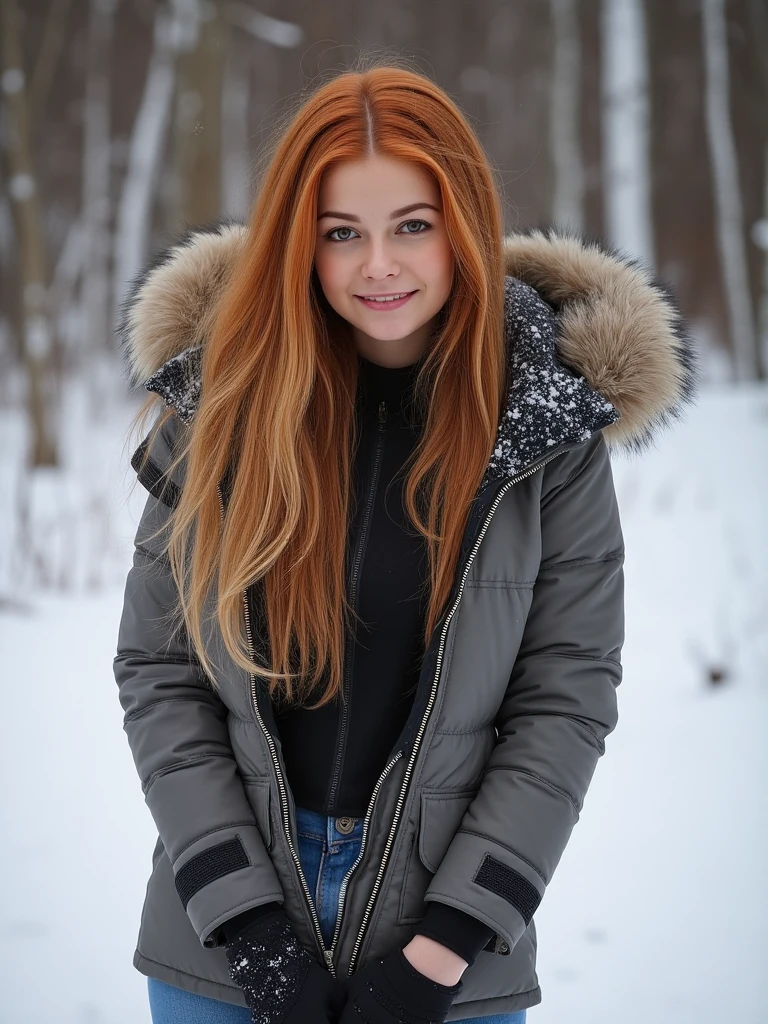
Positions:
{"x": 326, "y": 854}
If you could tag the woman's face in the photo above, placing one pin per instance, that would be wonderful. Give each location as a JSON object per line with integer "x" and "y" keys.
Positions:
{"x": 380, "y": 232}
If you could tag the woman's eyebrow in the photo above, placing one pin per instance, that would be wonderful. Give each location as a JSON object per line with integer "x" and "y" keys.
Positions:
{"x": 396, "y": 213}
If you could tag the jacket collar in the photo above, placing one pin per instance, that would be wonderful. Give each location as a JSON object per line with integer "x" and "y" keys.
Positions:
{"x": 593, "y": 342}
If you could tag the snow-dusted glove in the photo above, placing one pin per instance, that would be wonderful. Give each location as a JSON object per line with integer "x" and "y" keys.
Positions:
{"x": 390, "y": 990}
{"x": 282, "y": 982}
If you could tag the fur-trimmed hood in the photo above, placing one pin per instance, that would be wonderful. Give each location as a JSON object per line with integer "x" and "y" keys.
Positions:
{"x": 594, "y": 342}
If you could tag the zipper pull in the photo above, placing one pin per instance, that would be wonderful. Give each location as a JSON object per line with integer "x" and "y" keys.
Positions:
{"x": 382, "y": 411}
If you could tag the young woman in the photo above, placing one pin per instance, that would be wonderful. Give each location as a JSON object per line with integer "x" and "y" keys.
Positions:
{"x": 371, "y": 638}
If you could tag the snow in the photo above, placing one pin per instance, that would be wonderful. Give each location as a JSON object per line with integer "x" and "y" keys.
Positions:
{"x": 658, "y": 907}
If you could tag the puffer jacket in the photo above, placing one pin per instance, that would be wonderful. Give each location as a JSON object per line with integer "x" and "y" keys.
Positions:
{"x": 517, "y": 692}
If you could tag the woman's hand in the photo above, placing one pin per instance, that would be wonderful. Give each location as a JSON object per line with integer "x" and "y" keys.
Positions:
{"x": 282, "y": 982}
{"x": 390, "y": 990}
{"x": 434, "y": 960}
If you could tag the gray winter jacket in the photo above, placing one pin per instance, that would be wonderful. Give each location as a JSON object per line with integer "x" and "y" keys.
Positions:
{"x": 518, "y": 687}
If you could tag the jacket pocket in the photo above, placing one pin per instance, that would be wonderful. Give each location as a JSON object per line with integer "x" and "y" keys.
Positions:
{"x": 440, "y": 814}
{"x": 257, "y": 791}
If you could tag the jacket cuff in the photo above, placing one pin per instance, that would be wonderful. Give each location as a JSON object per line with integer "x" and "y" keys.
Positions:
{"x": 460, "y": 932}
{"x": 224, "y": 871}
{"x": 236, "y": 926}
{"x": 501, "y": 888}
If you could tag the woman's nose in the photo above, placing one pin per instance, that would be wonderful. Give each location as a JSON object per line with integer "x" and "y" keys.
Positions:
{"x": 379, "y": 262}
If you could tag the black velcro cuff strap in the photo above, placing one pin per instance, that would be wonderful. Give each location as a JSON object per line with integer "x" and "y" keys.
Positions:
{"x": 208, "y": 866}
{"x": 510, "y": 885}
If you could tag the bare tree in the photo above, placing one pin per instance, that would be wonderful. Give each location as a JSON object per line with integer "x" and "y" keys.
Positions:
{"x": 730, "y": 218}
{"x": 36, "y": 335}
{"x": 626, "y": 161}
{"x": 235, "y": 158}
{"x": 275, "y": 31}
{"x": 197, "y": 119}
{"x": 145, "y": 150}
{"x": 565, "y": 142}
{"x": 255, "y": 42}
{"x": 97, "y": 242}
{"x": 758, "y": 18}
{"x": 48, "y": 59}
{"x": 761, "y": 238}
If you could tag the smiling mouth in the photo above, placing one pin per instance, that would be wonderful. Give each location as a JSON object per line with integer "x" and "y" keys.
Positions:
{"x": 394, "y": 299}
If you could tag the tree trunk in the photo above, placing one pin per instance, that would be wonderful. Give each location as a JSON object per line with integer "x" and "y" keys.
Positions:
{"x": 236, "y": 183}
{"x": 758, "y": 24}
{"x": 625, "y": 128}
{"x": 36, "y": 337}
{"x": 730, "y": 218}
{"x": 761, "y": 239}
{"x": 198, "y": 116}
{"x": 97, "y": 321}
{"x": 144, "y": 155}
{"x": 49, "y": 56}
{"x": 565, "y": 142}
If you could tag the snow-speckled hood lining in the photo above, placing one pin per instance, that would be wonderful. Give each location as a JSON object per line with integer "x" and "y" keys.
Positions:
{"x": 594, "y": 342}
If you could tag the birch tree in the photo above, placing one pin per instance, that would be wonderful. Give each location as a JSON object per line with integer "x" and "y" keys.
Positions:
{"x": 758, "y": 24}
{"x": 171, "y": 33}
{"x": 36, "y": 334}
{"x": 760, "y": 236}
{"x": 235, "y": 157}
{"x": 197, "y": 120}
{"x": 564, "y": 134}
{"x": 49, "y": 57}
{"x": 626, "y": 160}
{"x": 731, "y": 238}
{"x": 95, "y": 292}
{"x": 256, "y": 40}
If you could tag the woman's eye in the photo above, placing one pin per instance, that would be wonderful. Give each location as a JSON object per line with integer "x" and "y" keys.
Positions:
{"x": 423, "y": 223}
{"x": 415, "y": 227}
{"x": 333, "y": 232}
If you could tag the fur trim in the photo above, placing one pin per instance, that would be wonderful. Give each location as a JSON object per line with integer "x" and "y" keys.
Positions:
{"x": 613, "y": 325}
{"x": 617, "y": 326}
{"x": 548, "y": 407}
{"x": 170, "y": 305}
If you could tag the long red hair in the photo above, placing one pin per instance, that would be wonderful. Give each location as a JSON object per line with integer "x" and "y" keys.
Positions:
{"x": 279, "y": 380}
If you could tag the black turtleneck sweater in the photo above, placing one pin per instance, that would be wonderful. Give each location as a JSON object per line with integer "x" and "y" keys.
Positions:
{"x": 334, "y": 754}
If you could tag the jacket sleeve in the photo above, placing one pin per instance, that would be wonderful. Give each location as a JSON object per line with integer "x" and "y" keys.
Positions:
{"x": 559, "y": 706}
{"x": 177, "y": 730}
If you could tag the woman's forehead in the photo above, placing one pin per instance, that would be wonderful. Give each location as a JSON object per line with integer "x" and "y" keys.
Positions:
{"x": 379, "y": 185}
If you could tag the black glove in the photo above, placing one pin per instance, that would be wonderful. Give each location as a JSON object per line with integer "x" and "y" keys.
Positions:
{"x": 390, "y": 989}
{"x": 282, "y": 982}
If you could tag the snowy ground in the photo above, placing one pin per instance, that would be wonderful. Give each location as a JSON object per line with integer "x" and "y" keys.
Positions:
{"x": 658, "y": 908}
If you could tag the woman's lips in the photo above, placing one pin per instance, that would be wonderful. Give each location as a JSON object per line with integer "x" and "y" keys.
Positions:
{"x": 383, "y": 306}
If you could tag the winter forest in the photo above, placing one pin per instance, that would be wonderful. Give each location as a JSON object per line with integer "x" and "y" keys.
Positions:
{"x": 640, "y": 123}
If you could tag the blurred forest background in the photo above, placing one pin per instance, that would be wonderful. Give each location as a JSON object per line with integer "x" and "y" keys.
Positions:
{"x": 643, "y": 124}
{"x": 639, "y": 123}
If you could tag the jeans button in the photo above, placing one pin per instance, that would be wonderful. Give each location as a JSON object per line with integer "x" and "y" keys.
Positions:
{"x": 345, "y": 825}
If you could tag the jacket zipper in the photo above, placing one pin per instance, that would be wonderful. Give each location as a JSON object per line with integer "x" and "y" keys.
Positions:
{"x": 364, "y": 836}
{"x": 353, "y": 591}
{"x": 427, "y": 711}
{"x": 279, "y": 776}
{"x": 328, "y": 954}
